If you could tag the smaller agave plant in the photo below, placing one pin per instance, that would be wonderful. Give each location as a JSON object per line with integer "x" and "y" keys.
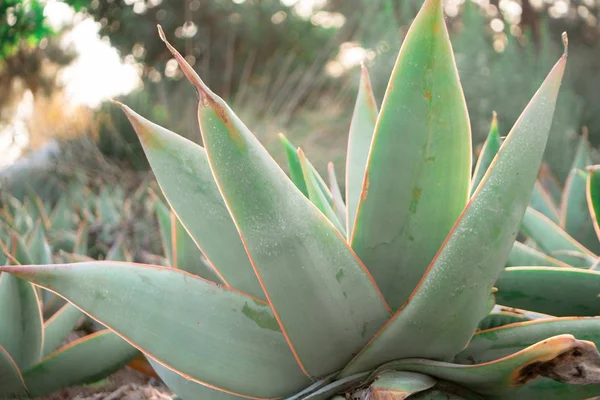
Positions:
{"x": 378, "y": 295}
{"x": 35, "y": 324}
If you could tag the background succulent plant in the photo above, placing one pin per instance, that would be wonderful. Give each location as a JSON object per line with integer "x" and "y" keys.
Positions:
{"x": 306, "y": 296}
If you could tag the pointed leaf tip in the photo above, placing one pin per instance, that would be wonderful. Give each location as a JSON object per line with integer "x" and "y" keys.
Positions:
{"x": 565, "y": 39}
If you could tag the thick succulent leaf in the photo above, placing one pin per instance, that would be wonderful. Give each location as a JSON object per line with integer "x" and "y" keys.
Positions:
{"x": 574, "y": 258}
{"x": 549, "y": 236}
{"x": 557, "y": 357}
{"x": 362, "y": 127}
{"x": 399, "y": 385}
{"x": 497, "y": 319}
{"x": 338, "y": 200}
{"x": 86, "y": 360}
{"x": 188, "y": 389}
{"x": 19, "y": 253}
{"x": 316, "y": 195}
{"x": 21, "y": 332}
{"x": 37, "y": 210}
{"x": 39, "y": 249}
{"x": 338, "y": 386}
{"x": 491, "y": 344}
{"x": 232, "y": 333}
{"x": 542, "y": 202}
{"x": 464, "y": 271}
{"x": 419, "y": 166}
{"x": 548, "y": 290}
{"x": 58, "y": 327}
{"x": 323, "y": 298}
{"x": 182, "y": 170}
{"x": 575, "y": 216}
{"x": 488, "y": 152}
{"x": 593, "y": 196}
{"x": 521, "y": 254}
{"x": 295, "y": 169}
{"x": 180, "y": 248}
{"x": 11, "y": 380}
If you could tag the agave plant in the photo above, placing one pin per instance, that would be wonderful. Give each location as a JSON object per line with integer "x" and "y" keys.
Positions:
{"x": 309, "y": 296}
{"x": 34, "y": 359}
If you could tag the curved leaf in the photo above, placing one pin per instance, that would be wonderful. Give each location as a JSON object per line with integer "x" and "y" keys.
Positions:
{"x": 557, "y": 357}
{"x": 501, "y": 318}
{"x": 491, "y": 344}
{"x": 488, "y": 152}
{"x": 548, "y": 290}
{"x": 419, "y": 167}
{"x": 521, "y": 254}
{"x": 295, "y": 169}
{"x": 464, "y": 271}
{"x": 316, "y": 195}
{"x": 399, "y": 385}
{"x": 362, "y": 128}
{"x": 549, "y": 236}
{"x": 11, "y": 380}
{"x": 323, "y": 298}
{"x": 21, "y": 332}
{"x": 232, "y": 333}
{"x": 86, "y": 360}
{"x": 338, "y": 201}
{"x": 338, "y": 386}
{"x": 593, "y": 196}
{"x": 58, "y": 327}
{"x": 182, "y": 170}
{"x": 542, "y": 202}
{"x": 39, "y": 249}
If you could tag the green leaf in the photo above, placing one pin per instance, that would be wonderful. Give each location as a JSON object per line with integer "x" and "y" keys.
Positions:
{"x": 183, "y": 173}
{"x": 81, "y": 242}
{"x": 18, "y": 250}
{"x": 488, "y": 152}
{"x": 322, "y": 296}
{"x": 497, "y": 319}
{"x": 62, "y": 216}
{"x": 521, "y": 255}
{"x": 419, "y": 167}
{"x": 179, "y": 246}
{"x": 316, "y": 196}
{"x": 86, "y": 360}
{"x": 592, "y": 188}
{"x": 548, "y": 290}
{"x": 296, "y": 174}
{"x": 558, "y": 355}
{"x": 107, "y": 209}
{"x": 338, "y": 201}
{"x": 321, "y": 383}
{"x": 338, "y": 386}
{"x": 464, "y": 271}
{"x": 542, "y": 202}
{"x": 11, "y": 380}
{"x": 549, "y": 236}
{"x": 575, "y": 216}
{"x": 188, "y": 389}
{"x": 58, "y": 327}
{"x": 362, "y": 128}
{"x": 21, "y": 320}
{"x": 399, "y": 384}
{"x": 39, "y": 249}
{"x": 130, "y": 298}
{"x": 488, "y": 345}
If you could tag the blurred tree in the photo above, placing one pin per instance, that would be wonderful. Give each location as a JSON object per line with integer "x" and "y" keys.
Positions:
{"x": 29, "y": 51}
